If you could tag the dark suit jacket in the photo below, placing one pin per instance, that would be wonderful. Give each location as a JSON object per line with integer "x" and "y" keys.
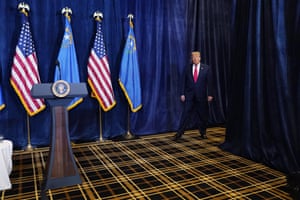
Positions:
{"x": 202, "y": 88}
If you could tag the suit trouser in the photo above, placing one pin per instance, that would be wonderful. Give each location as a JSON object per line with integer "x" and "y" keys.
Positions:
{"x": 201, "y": 110}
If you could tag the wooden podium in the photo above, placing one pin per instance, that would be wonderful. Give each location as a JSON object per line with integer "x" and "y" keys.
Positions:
{"x": 61, "y": 169}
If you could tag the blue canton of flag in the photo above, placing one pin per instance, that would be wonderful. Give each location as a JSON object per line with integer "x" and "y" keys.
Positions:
{"x": 99, "y": 77}
{"x": 129, "y": 77}
{"x": 68, "y": 66}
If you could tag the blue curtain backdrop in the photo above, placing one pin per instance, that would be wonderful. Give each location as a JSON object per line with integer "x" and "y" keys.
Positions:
{"x": 163, "y": 32}
{"x": 264, "y": 81}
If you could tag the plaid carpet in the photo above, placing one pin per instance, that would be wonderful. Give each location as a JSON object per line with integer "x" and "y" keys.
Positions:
{"x": 152, "y": 167}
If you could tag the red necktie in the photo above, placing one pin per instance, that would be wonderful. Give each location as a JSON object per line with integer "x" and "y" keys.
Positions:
{"x": 195, "y": 73}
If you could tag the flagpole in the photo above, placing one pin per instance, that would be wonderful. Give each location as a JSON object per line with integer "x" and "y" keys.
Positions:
{"x": 98, "y": 16}
{"x": 100, "y": 125}
{"x": 128, "y": 134}
{"x": 24, "y": 8}
{"x": 29, "y": 146}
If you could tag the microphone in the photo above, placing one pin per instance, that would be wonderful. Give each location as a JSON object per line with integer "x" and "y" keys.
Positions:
{"x": 58, "y": 67}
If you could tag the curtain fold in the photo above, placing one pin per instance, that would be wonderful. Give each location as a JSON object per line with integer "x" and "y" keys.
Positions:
{"x": 262, "y": 116}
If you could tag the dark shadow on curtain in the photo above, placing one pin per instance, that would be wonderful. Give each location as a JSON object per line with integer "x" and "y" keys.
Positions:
{"x": 209, "y": 32}
{"x": 263, "y": 117}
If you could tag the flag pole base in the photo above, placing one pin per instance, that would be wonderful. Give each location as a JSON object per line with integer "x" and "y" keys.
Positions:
{"x": 124, "y": 137}
{"x": 29, "y": 147}
{"x": 129, "y": 136}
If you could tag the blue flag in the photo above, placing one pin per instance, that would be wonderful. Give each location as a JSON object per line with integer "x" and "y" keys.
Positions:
{"x": 67, "y": 66}
{"x": 2, "y": 104}
{"x": 129, "y": 77}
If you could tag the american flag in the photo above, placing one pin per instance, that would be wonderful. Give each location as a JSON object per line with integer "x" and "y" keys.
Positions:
{"x": 99, "y": 73}
{"x": 24, "y": 72}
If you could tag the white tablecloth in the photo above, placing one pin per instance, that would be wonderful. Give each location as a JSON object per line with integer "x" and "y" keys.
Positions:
{"x": 6, "y": 150}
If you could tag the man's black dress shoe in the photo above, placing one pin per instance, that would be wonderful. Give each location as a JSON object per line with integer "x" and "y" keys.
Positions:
{"x": 176, "y": 137}
{"x": 203, "y": 136}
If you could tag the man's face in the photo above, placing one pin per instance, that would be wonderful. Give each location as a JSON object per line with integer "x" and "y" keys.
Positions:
{"x": 196, "y": 58}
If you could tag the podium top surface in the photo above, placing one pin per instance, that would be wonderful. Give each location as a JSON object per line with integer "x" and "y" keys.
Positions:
{"x": 44, "y": 90}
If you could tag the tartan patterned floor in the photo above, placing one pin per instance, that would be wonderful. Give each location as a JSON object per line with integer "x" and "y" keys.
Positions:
{"x": 152, "y": 167}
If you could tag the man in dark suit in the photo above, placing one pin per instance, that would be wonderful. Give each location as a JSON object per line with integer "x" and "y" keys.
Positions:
{"x": 196, "y": 93}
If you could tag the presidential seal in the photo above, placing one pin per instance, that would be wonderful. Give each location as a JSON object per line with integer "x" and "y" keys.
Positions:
{"x": 60, "y": 88}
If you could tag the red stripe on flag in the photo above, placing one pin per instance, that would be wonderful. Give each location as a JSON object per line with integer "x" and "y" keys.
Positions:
{"x": 104, "y": 73}
{"x": 23, "y": 76}
{"x": 99, "y": 79}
